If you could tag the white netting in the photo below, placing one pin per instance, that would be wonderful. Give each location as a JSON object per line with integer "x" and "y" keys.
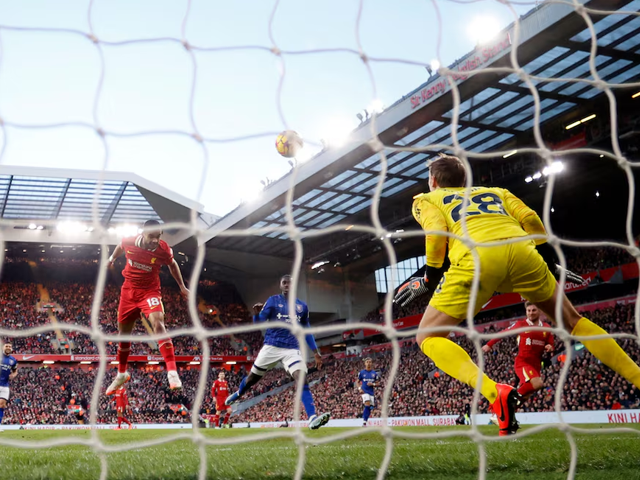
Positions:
{"x": 297, "y": 235}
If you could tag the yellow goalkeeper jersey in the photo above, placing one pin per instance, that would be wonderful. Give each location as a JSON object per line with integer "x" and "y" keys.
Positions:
{"x": 492, "y": 214}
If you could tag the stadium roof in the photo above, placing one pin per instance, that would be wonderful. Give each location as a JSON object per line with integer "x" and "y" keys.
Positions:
{"x": 496, "y": 112}
{"x": 33, "y": 195}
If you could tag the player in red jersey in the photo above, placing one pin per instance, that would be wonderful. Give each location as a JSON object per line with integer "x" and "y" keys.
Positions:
{"x": 122, "y": 402}
{"x": 531, "y": 346}
{"x": 220, "y": 391}
{"x": 140, "y": 295}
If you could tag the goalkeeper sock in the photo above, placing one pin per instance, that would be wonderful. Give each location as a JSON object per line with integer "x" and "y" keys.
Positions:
{"x": 454, "y": 361}
{"x": 307, "y": 401}
{"x": 123, "y": 356}
{"x": 366, "y": 413}
{"x": 526, "y": 389}
{"x": 1, "y": 414}
{"x": 166, "y": 349}
{"x": 607, "y": 351}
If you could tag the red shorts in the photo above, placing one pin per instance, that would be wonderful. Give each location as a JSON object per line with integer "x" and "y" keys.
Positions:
{"x": 220, "y": 406}
{"x": 135, "y": 301}
{"x": 526, "y": 371}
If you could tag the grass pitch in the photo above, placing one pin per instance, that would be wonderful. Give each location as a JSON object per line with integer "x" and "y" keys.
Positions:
{"x": 543, "y": 455}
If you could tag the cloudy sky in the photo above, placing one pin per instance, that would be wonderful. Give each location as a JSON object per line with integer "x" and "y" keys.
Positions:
{"x": 51, "y": 78}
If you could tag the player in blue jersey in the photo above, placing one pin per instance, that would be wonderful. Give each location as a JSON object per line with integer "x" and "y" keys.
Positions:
{"x": 281, "y": 346}
{"x": 8, "y": 371}
{"x": 367, "y": 379}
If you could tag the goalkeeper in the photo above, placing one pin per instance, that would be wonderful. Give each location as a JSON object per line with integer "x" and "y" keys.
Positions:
{"x": 526, "y": 267}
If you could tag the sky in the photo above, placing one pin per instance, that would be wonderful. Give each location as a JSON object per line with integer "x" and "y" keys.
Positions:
{"x": 51, "y": 78}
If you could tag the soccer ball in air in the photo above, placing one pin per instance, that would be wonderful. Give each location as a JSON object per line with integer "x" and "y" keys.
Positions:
{"x": 289, "y": 143}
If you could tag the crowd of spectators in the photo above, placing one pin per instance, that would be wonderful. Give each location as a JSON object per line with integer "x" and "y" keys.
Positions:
{"x": 48, "y": 396}
{"x": 73, "y": 302}
{"x": 579, "y": 260}
{"x": 420, "y": 389}
{"x": 43, "y": 395}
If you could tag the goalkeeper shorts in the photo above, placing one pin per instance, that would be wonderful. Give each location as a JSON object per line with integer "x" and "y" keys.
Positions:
{"x": 269, "y": 356}
{"x": 514, "y": 267}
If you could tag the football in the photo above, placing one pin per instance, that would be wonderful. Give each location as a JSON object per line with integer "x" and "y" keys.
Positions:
{"x": 289, "y": 143}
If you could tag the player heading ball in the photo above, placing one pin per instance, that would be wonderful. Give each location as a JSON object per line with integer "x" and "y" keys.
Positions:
{"x": 140, "y": 295}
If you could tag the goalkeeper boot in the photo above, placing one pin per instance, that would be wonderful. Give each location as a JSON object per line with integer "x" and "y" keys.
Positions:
{"x": 120, "y": 380}
{"x": 316, "y": 421}
{"x": 505, "y": 409}
{"x": 231, "y": 399}
{"x": 174, "y": 380}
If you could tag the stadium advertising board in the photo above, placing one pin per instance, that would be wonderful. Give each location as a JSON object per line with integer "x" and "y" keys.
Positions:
{"x": 132, "y": 358}
{"x": 479, "y": 58}
{"x": 610, "y": 417}
{"x": 532, "y": 418}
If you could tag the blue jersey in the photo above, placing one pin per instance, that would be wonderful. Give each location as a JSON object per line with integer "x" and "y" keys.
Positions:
{"x": 8, "y": 366}
{"x": 277, "y": 309}
{"x": 366, "y": 377}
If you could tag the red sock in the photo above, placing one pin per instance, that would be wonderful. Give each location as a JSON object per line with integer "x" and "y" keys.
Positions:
{"x": 226, "y": 418}
{"x": 166, "y": 349}
{"x": 123, "y": 356}
{"x": 216, "y": 420}
{"x": 119, "y": 421}
{"x": 126, "y": 420}
{"x": 526, "y": 389}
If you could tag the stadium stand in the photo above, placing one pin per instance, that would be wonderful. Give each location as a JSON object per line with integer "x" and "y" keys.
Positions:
{"x": 420, "y": 390}
{"x": 417, "y": 390}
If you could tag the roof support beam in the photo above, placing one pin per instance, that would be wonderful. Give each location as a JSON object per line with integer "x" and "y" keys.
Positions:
{"x": 6, "y": 197}
{"x": 608, "y": 51}
{"x": 482, "y": 126}
{"x": 60, "y": 201}
{"x": 111, "y": 209}
{"x": 543, "y": 95}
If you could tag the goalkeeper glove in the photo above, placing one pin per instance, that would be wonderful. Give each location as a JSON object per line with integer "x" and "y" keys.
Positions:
{"x": 418, "y": 286}
{"x": 410, "y": 290}
{"x": 548, "y": 254}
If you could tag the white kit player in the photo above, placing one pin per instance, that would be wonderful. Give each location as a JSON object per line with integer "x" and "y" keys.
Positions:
{"x": 281, "y": 346}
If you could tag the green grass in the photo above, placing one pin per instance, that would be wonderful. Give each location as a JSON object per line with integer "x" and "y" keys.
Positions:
{"x": 539, "y": 456}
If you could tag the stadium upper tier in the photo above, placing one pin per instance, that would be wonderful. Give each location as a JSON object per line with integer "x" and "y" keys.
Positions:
{"x": 60, "y": 291}
{"x": 493, "y": 119}
{"x": 43, "y": 395}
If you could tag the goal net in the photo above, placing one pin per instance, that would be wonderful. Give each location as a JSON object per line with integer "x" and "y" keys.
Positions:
{"x": 508, "y": 97}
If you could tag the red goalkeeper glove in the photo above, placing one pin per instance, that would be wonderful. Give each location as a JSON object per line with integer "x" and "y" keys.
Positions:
{"x": 418, "y": 286}
{"x": 410, "y": 290}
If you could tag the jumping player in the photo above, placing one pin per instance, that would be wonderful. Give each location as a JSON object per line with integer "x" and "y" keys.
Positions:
{"x": 367, "y": 379}
{"x": 531, "y": 346}
{"x": 140, "y": 294}
{"x": 8, "y": 371}
{"x": 122, "y": 404}
{"x": 281, "y": 346}
{"x": 220, "y": 391}
{"x": 525, "y": 267}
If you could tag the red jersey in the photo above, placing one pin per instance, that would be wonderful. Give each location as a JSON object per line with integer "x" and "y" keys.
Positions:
{"x": 121, "y": 398}
{"x": 530, "y": 344}
{"x": 220, "y": 390}
{"x": 143, "y": 266}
